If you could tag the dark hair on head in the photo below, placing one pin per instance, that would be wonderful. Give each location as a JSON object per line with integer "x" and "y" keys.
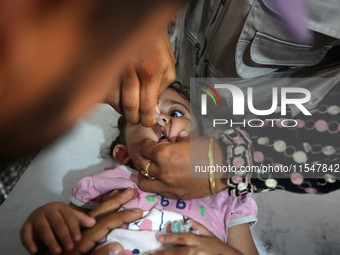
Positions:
{"x": 182, "y": 90}
{"x": 121, "y": 124}
{"x": 120, "y": 139}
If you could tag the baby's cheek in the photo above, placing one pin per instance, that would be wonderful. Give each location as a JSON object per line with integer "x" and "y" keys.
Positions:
{"x": 177, "y": 126}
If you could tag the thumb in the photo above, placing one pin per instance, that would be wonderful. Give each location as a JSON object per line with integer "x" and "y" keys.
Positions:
{"x": 110, "y": 249}
{"x": 183, "y": 136}
{"x": 85, "y": 220}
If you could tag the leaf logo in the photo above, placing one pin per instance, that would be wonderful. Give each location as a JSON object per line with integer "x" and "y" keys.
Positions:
{"x": 204, "y": 97}
{"x": 209, "y": 93}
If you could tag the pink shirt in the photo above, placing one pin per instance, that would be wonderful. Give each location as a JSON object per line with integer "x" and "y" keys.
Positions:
{"x": 217, "y": 213}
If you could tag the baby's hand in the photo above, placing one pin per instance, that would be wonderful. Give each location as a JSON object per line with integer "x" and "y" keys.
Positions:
{"x": 187, "y": 243}
{"x": 52, "y": 223}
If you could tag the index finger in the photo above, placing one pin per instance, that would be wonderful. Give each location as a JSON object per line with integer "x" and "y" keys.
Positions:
{"x": 148, "y": 98}
{"x": 113, "y": 204}
{"x": 145, "y": 154}
{"x": 150, "y": 149}
{"x": 104, "y": 225}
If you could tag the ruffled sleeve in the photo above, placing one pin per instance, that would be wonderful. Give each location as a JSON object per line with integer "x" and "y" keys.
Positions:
{"x": 92, "y": 190}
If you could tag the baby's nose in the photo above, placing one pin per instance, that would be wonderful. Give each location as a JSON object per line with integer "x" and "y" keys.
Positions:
{"x": 165, "y": 118}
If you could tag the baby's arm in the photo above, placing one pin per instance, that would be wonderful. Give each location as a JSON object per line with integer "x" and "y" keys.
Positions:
{"x": 53, "y": 222}
{"x": 240, "y": 238}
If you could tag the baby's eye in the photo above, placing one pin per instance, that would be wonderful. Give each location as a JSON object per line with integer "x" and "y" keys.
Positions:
{"x": 176, "y": 114}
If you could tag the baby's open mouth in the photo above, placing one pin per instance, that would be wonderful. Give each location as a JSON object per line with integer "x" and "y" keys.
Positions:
{"x": 163, "y": 135}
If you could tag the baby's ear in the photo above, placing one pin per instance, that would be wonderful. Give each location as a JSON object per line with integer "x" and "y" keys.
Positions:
{"x": 121, "y": 155}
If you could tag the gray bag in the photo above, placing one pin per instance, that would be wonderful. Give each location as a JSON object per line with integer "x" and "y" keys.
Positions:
{"x": 245, "y": 38}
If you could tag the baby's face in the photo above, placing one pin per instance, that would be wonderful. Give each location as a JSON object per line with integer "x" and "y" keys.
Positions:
{"x": 175, "y": 112}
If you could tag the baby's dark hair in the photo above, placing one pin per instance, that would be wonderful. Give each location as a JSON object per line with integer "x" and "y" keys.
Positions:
{"x": 121, "y": 123}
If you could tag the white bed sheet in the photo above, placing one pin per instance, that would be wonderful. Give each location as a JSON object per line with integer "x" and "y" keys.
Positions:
{"x": 288, "y": 223}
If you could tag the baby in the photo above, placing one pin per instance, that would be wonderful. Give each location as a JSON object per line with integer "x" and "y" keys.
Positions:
{"x": 226, "y": 219}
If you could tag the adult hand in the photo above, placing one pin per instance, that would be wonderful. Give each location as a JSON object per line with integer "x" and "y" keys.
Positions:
{"x": 171, "y": 167}
{"x": 144, "y": 78}
{"x": 107, "y": 219}
{"x": 62, "y": 58}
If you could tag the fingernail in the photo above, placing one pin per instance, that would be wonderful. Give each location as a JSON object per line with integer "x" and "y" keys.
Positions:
{"x": 115, "y": 249}
{"x": 76, "y": 237}
{"x": 183, "y": 134}
{"x": 137, "y": 210}
{"x": 161, "y": 239}
{"x": 127, "y": 190}
{"x": 31, "y": 249}
{"x": 201, "y": 253}
{"x": 126, "y": 193}
{"x": 56, "y": 250}
{"x": 157, "y": 109}
{"x": 69, "y": 246}
{"x": 115, "y": 192}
